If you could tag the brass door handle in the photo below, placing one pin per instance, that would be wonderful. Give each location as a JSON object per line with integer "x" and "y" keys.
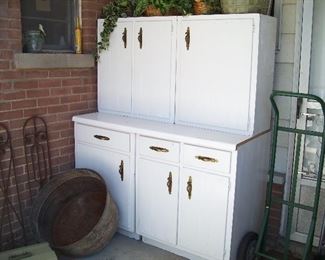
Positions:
{"x": 140, "y": 37}
{"x": 121, "y": 170}
{"x": 170, "y": 183}
{"x": 125, "y": 37}
{"x": 159, "y": 149}
{"x": 188, "y": 38}
{"x": 206, "y": 159}
{"x": 102, "y": 137}
{"x": 189, "y": 187}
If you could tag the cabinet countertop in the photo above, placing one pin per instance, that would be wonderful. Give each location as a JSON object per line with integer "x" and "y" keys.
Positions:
{"x": 186, "y": 134}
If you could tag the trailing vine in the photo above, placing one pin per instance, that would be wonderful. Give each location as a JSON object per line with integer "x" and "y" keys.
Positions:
{"x": 111, "y": 13}
{"x": 124, "y": 8}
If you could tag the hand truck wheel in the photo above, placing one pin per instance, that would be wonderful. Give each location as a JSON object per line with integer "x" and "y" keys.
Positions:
{"x": 247, "y": 246}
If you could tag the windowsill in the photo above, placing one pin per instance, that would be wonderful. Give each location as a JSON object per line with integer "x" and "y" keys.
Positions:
{"x": 53, "y": 60}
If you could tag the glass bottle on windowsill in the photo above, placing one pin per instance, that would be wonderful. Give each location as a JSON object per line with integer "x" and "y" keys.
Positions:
{"x": 77, "y": 41}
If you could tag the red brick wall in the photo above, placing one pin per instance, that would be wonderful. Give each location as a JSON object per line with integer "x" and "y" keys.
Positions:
{"x": 55, "y": 94}
{"x": 275, "y": 215}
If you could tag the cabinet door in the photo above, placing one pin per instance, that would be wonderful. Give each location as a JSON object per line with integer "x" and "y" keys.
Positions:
{"x": 214, "y": 73}
{"x": 156, "y": 204}
{"x": 114, "y": 71}
{"x": 110, "y": 165}
{"x": 154, "y": 69}
{"x": 203, "y": 216}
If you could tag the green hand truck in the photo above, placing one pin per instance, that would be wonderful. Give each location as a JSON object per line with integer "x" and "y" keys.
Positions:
{"x": 260, "y": 251}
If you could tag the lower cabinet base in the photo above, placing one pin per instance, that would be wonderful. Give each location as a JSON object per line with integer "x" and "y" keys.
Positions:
{"x": 171, "y": 249}
{"x": 129, "y": 234}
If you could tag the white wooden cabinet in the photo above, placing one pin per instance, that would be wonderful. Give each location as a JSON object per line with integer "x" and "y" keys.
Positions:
{"x": 136, "y": 75}
{"x": 221, "y": 71}
{"x": 228, "y": 180}
{"x": 197, "y": 190}
{"x": 95, "y": 149}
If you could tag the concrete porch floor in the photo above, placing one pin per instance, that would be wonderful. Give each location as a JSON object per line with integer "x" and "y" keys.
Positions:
{"x": 124, "y": 248}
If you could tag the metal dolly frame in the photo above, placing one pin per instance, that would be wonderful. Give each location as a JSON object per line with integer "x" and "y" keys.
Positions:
{"x": 259, "y": 252}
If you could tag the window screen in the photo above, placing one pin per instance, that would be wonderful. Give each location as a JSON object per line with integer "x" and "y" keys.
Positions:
{"x": 58, "y": 20}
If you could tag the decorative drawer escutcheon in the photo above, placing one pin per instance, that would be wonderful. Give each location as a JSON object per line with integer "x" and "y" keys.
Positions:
{"x": 102, "y": 137}
{"x": 159, "y": 149}
{"x": 206, "y": 159}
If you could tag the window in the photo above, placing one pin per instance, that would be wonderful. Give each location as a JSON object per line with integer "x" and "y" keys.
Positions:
{"x": 58, "y": 18}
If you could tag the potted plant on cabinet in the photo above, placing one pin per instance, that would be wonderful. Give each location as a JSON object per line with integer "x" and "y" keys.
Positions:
{"x": 206, "y": 6}
{"x": 247, "y": 6}
{"x": 123, "y": 8}
{"x": 162, "y": 7}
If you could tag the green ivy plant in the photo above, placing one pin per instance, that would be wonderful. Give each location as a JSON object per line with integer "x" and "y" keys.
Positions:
{"x": 111, "y": 12}
{"x": 124, "y": 8}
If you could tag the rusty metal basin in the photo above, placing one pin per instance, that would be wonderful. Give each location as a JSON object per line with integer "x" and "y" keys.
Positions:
{"x": 75, "y": 213}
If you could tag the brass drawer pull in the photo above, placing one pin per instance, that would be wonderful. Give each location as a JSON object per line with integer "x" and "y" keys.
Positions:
{"x": 170, "y": 183}
{"x": 189, "y": 187}
{"x": 159, "y": 149}
{"x": 188, "y": 38}
{"x": 102, "y": 137}
{"x": 206, "y": 159}
{"x": 125, "y": 37}
{"x": 121, "y": 170}
{"x": 140, "y": 37}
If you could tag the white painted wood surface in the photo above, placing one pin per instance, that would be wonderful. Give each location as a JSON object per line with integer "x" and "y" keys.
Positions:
{"x": 214, "y": 74}
{"x": 115, "y": 71}
{"x": 154, "y": 69}
{"x": 134, "y": 81}
{"x": 230, "y": 61}
{"x": 251, "y": 164}
{"x": 103, "y": 137}
{"x": 107, "y": 163}
{"x": 200, "y": 157}
{"x": 156, "y": 210}
{"x": 186, "y": 134}
{"x": 222, "y": 82}
{"x": 159, "y": 149}
{"x": 200, "y": 228}
{"x": 203, "y": 218}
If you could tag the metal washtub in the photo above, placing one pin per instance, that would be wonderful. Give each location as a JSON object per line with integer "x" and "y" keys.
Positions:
{"x": 75, "y": 213}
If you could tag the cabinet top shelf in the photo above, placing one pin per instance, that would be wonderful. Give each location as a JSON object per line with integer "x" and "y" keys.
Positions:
{"x": 186, "y": 134}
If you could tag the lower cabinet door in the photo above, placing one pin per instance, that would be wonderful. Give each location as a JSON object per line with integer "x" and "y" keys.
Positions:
{"x": 203, "y": 213}
{"x": 157, "y": 195}
{"x": 114, "y": 167}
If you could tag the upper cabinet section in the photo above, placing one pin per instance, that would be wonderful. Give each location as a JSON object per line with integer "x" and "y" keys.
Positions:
{"x": 219, "y": 66}
{"x": 154, "y": 69}
{"x": 225, "y": 72}
{"x": 136, "y": 76}
{"x": 115, "y": 71}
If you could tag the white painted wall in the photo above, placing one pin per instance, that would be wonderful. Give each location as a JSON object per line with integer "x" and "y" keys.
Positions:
{"x": 317, "y": 75}
{"x": 285, "y": 73}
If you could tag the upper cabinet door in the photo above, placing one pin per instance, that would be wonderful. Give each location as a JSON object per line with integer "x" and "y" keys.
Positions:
{"x": 115, "y": 70}
{"x": 214, "y": 73}
{"x": 154, "y": 69}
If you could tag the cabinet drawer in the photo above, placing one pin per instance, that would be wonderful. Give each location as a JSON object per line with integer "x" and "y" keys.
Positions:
{"x": 103, "y": 137}
{"x": 159, "y": 149}
{"x": 206, "y": 158}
